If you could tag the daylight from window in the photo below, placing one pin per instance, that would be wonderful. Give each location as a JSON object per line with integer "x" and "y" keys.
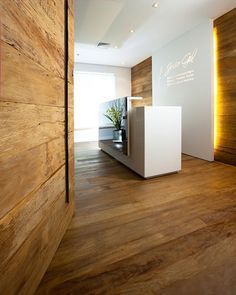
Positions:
{"x": 91, "y": 89}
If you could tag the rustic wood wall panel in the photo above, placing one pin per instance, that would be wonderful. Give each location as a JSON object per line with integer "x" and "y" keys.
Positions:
{"x": 33, "y": 211}
{"x": 141, "y": 79}
{"x": 225, "y": 145}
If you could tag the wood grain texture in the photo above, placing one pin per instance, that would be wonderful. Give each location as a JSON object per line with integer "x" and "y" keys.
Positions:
{"x": 225, "y": 149}
{"x": 20, "y": 70}
{"x": 33, "y": 211}
{"x": 168, "y": 235}
{"x": 141, "y": 80}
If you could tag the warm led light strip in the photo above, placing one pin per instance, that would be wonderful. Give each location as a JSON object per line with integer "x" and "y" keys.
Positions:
{"x": 216, "y": 93}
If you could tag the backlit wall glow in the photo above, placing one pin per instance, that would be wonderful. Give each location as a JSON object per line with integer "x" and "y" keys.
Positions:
{"x": 216, "y": 90}
{"x": 225, "y": 88}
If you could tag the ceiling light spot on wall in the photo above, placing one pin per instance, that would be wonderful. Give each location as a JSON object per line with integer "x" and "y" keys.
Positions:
{"x": 155, "y": 5}
{"x": 131, "y": 31}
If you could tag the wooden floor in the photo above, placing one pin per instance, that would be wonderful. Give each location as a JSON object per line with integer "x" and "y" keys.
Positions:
{"x": 174, "y": 234}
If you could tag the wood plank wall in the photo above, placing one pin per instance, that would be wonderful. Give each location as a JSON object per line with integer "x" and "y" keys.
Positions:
{"x": 141, "y": 80}
{"x": 225, "y": 144}
{"x": 33, "y": 211}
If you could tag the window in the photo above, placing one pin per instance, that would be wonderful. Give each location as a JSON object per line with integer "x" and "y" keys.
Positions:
{"x": 91, "y": 89}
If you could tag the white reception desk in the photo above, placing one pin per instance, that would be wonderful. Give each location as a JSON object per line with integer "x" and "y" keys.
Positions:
{"x": 154, "y": 141}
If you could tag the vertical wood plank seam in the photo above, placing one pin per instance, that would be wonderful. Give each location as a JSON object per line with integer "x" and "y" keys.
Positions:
{"x": 66, "y": 51}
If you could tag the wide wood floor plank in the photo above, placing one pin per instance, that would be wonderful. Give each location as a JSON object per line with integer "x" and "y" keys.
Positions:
{"x": 169, "y": 235}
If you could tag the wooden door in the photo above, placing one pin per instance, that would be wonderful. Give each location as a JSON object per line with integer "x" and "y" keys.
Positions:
{"x": 34, "y": 213}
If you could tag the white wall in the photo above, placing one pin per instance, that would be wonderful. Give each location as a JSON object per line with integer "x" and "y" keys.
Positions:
{"x": 183, "y": 76}
{"x": 122, "y": 88}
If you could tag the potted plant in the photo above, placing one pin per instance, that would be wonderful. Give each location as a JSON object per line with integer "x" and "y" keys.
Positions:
{"x": 115, "y": 115}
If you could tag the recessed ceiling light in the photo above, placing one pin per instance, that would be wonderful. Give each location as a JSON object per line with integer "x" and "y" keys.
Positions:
{"x": 131, "y": 31}
{"x": 116, "y": 47}
{"x": 155, "y": 5}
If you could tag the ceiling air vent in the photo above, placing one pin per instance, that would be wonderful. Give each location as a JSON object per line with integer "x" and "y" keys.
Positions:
{"x": 103, "y": 45}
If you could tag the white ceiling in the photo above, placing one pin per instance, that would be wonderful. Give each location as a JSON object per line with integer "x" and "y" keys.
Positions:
{"x": 111, "y": 21}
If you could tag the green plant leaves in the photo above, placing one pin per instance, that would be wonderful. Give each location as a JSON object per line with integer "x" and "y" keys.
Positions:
{"x": 115, "y": 115}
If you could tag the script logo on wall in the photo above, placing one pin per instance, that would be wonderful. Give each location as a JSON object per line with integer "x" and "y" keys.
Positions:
{"x": 180, "y": 71}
